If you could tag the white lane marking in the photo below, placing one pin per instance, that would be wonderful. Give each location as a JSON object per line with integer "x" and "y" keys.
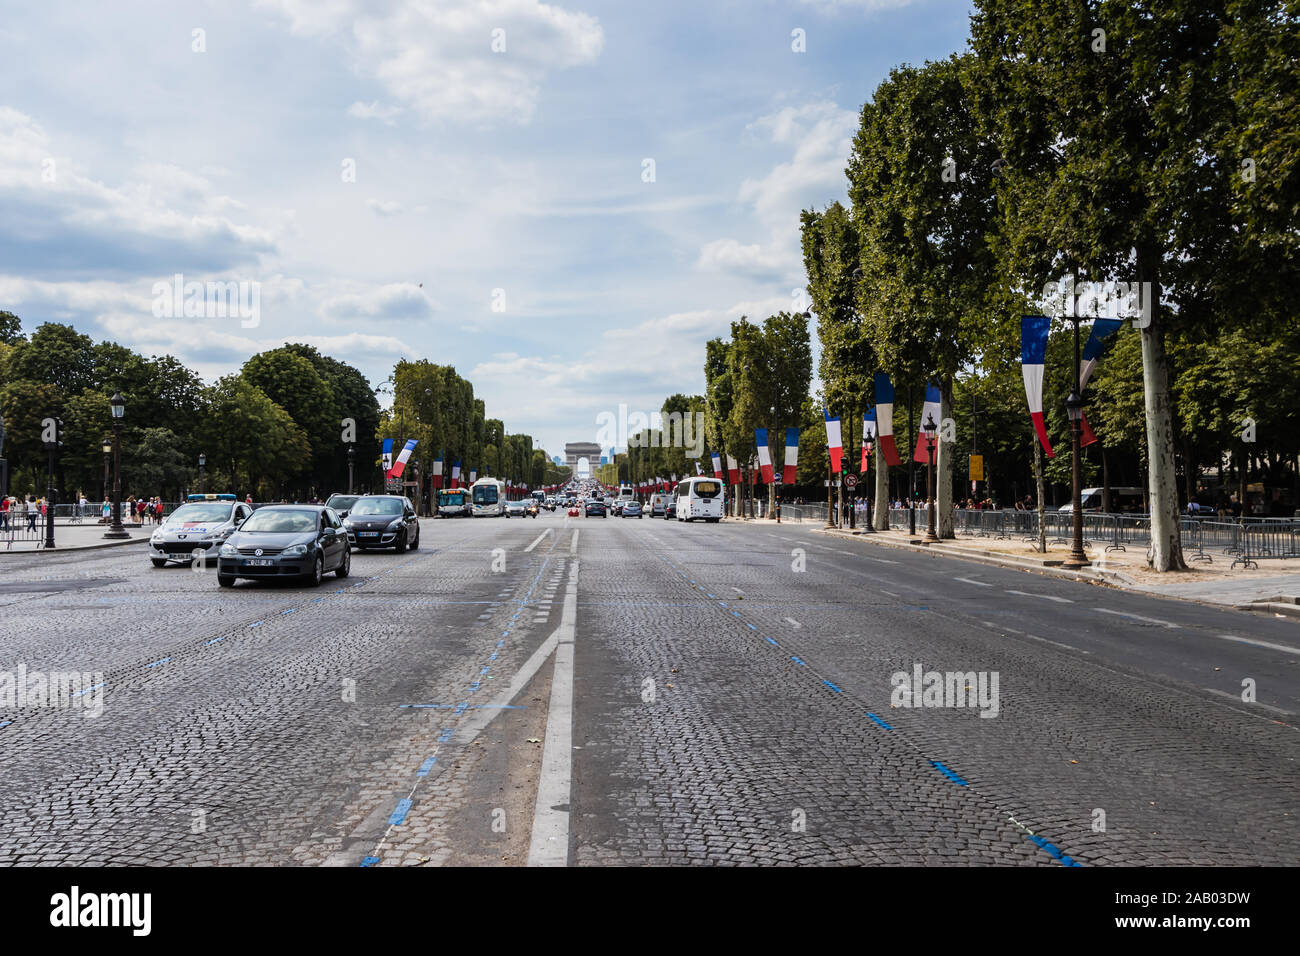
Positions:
{"x": 971, "y": 581}
{"x": 539, "y": 540}
{"x": 550, "y": 842}
{"x": 890, "y": 593}
{"x": 1246, "y": 640}
{"x": 1237, "y": 698}
{"x": 1068, "y": 647}
{"x": 793, "y": 623}
{"x": 1045, "y": 597}
{"x": 573, "y": 545}
{"x": 1136, "y": 617}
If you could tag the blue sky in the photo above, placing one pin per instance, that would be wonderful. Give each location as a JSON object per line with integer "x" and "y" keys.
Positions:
{"x": 482, "y": 178}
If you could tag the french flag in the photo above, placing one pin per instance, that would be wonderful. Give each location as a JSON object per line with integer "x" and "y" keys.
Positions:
{"x": 885, "y": 419}
{"x": 868, "y": 436}
{"x": 1033, "y": 356}
{"x": 437, "y": 471}
{"x": 929, "y": 412}
{"x": 1101, "y": 330}
{"x": 834, "y": 444}
{"x": 400, "y": 465}
{"x": 733, "y": 471}
{"x": 388, "y": 457}
{"x": 764, "y": 454}
{"x": 455, "y": 473}
{"x": 791, "y": 473}
{"x": 717, "y": 465}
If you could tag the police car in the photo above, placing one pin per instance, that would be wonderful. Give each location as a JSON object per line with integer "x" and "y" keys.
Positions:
{"x": 201, "y": 524}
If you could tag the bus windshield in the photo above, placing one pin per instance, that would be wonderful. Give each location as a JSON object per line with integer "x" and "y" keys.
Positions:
{"x": 706, "y": 489}
{"x": 485, "y": 495}
{"x": 451, "y": 497}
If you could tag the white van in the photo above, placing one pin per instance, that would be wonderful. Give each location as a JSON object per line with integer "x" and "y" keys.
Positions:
{"x": 658, "y": 502}
{"x": 1122, "y": 500}
{"x": 699, "y": 498}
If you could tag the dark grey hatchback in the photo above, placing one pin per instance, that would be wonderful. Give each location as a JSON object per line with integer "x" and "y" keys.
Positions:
{"x": 303, "y": 541}
{"x": 383, "y": 521}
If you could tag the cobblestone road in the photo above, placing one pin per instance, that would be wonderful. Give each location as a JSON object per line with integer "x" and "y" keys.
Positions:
{"x": 733, "y": 703}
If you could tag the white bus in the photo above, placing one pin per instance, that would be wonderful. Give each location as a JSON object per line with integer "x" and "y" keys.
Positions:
{"x": 489, "y": 497}
{"x": 699, "y": 498}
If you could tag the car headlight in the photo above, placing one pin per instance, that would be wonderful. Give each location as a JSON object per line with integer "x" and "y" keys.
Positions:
{"x": 228, "y": 550}
{"x": 294, "y": 551}
{"x": 394, "y": 524}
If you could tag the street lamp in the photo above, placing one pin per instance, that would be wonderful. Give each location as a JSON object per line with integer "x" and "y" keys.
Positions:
{"x": 118, "y": 404}
{"x": 352, "y": 455}
{"x": 1078, "y": 558}
{"x": 203, "y": 463}
{"x": 868, "y": 442}
{"x": 108, "y": 452}
{"x": 930, "y": 428}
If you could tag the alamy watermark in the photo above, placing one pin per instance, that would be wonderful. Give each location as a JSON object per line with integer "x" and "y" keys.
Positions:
{"x": 922, "y": 688}
{"x": 211, "y": 300}
{"x": 1111, "y": 300}
{"x": 59, "y": 690}
{"x": 674, "y": 430}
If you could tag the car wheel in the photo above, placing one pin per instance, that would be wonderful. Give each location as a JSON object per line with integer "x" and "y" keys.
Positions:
{"x": 400, "y": 547}
{"x": 416, "y": 543}
{"x": 317, "y": 572}
{"x": 226, "y": 580}
{"x": 159, "y": 562}
{"x": 345, "y": 566}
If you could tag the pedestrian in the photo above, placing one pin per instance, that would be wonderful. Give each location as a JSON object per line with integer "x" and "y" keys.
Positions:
{"x": 107, "y": 510}
{"x": 30, "y": 510}
{"x": 4, "y": 512}
{"x": 158, "y": 509}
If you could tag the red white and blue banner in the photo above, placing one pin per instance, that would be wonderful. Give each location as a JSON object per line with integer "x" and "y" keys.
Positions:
{"x": 834, "y": 443}
{"x": 388, "y": 458}
{"x": 437, "y": 471}
{"x": 1102, "y": 329}
{"x": 455, "y": 473}
{"x": 400, "y": 465}
{"x": 1033, "y": 357}
{"x": 885, "y": 418}
{"x": 473, "y": 475}
{"x": 717, "y": 465}
{"x": 868, "y": 438}
{"x": 764, "y": 454}
{"x": 930, "y": 412}
{"x": 791, "y": 472}
{"x": 733, "y": 471}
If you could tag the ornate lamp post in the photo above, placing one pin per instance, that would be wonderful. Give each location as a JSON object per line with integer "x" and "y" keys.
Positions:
{"x": 108, "y": 454}
{"x": 930, "y": 428}
{"x": 868, "y": 442}
{"x": 118, "y": 405}
{"x": 1078, "y": 558}
{"x": 352, "y": 456}
{"x": 203, "y": 463}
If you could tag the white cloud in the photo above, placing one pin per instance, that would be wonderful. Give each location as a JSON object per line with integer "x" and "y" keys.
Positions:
{"x": 400, "y": 300}
{"x": 373, "y": 110}
{"x": 389, "y": 207}
{"x": 438, "y": 58}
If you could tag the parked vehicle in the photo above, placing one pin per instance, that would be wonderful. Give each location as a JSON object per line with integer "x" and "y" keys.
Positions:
{"x": 303, "y": 541}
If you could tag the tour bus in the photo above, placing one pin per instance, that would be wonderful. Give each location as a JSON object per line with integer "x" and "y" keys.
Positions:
{"x": 454, "y": 503}
{"x": 699, "y": 498}
{"x": 489, "y": 498}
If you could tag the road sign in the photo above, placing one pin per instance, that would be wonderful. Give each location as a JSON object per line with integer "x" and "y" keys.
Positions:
{"x": 976, "y": 467}
{"x": 850, "y": 481}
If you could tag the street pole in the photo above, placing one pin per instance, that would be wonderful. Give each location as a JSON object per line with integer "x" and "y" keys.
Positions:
{"x": 352, "y": 455}
{"x": 1078, "y": 558}
{"x": 49, "y": 501}
{"x": 117, "y": 531}
{"x": 911, "y": 469}
{"x": 930, "y": 427}
{"x": 203, "y": 462}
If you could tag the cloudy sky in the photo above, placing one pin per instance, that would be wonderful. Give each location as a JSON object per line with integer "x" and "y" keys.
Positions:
{"x": 565, "y": 201}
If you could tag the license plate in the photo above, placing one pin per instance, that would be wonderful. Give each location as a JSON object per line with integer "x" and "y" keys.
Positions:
{"x": 183, "y": 556}
{"x": 368, "y": 534}
{"x": 259, "y": 562}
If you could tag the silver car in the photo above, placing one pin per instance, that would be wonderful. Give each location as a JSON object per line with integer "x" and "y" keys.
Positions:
{"x": 201, "y": 524}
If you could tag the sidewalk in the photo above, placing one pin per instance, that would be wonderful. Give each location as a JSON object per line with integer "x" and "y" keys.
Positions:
{"x": 1273, "y": 587}
{"x": 71, "y": 537}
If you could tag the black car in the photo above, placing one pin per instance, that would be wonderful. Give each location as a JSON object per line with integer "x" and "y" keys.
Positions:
{"x": 670, "y": 509}
{"x": 303, "y": 541}
{"x": 383, "y": 521}
{"x": 341, "y": 504}
{"x": 595, "y": 506}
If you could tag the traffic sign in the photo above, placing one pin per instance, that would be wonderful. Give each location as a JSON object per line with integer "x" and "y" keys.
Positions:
{"x": 850, "y": 481}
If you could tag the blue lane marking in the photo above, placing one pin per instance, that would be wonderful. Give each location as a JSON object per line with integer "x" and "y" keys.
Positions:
{"x": 403, "y": 807}
{"x": 89, "y": 689}
{"x": 5, "y": 723}
{"x": 751, "y": 626}
{"x": 462, "y": 706}
{"x": 879, "y": 721}
{"x": 832, "y": 686}
{"x": 289, "y": 610}
{"x": 484, "y": 671}
{"x": 1052, "y": 850}
{"x": 426, "y": 767}
{"x": 159, "y": 662}
{"x": 370, "y": 861}
{"x": 772, "y": 642}
{"x": 446, "y": 736}
{"x": 949, "y": 774}
{"x": 215, "y": 640}
{"x": 493, "y": 657}
{"x": 475, "y": 686}
{"x": 501, "y": 643}
{"x": 797, "y": 661}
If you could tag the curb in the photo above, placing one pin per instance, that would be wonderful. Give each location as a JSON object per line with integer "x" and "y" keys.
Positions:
{"x": 80, "y": 547}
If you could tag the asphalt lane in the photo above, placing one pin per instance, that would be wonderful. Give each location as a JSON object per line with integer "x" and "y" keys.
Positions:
{"x": 732, "y": 704}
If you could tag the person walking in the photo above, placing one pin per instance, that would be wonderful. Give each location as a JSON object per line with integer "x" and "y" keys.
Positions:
{"x": 4, "y": 513}
{"x": 30, "y": 510}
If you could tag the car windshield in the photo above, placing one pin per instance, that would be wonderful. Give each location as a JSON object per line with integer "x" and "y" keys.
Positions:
{"x": 214, "y": 511}
{"x": 342, "y": 502}
{"x": 277, "y": 521}
{"x": 377, "y": 506}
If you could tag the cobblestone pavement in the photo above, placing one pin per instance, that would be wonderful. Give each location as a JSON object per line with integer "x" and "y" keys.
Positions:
{"x": 732, "y": 706}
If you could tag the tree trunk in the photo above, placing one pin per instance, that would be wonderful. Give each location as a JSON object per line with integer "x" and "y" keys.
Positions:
{"x": 1105, "y": 480}
{"x": 881, "y": 516}
{"x": 1166, "y": 545}
{"x": 947, "y": 452}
